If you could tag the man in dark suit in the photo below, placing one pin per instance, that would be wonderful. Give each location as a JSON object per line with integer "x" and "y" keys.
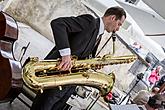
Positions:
{"x": 76, "y": 36}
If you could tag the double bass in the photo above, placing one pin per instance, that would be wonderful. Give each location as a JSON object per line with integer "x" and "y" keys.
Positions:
{"x": 10, "y": 68}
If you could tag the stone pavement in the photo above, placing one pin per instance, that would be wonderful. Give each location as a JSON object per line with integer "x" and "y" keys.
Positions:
{"x": 16, "y": 104}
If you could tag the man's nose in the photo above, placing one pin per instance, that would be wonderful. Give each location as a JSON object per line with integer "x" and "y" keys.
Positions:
{"x": 117, "y": 29}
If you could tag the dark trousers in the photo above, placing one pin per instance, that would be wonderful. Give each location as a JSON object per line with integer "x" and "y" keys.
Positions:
{"x": 53, "y": 99}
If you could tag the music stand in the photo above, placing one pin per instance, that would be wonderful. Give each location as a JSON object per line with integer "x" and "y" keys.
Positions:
{"x": 139, "y": 77}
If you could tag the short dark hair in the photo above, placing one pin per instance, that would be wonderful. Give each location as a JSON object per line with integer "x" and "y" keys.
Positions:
{"x": 117, "y": 11}
{"x": 157, "y": 101}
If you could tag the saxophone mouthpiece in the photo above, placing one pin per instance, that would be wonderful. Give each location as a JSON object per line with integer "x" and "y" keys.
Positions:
{"x": 113, "y": 36}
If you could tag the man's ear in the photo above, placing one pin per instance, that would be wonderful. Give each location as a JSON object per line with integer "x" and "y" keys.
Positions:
{"x": 113, "y": 17}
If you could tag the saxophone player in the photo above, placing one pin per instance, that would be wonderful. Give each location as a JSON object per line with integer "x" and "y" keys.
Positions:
{"x": 78, "y": 36}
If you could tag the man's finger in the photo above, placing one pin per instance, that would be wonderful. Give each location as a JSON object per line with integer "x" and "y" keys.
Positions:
{"x": 60, "y": 65}
{"x": 67, "y": 66}
{"x": 64, "y": 66}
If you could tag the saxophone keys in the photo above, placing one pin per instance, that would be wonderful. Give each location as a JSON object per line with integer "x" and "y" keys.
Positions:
{"x": 34, "y": 59}
{"x": 41, "y": 91}
{"x": 44, "y": 71}
{"x": 105, "y": 86}
{"x": 85, "y": 75}
{"x": 60, "y": 88}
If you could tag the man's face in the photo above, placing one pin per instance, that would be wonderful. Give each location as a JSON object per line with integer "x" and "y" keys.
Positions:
{"x": 112, "y": 24}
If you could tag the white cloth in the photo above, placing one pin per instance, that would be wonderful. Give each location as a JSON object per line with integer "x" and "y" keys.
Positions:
{"x": 142, "y": 107}
{"x": 64, "y": 52}
{"x": 124, "y": 107}
{"x": 77, "y": 103}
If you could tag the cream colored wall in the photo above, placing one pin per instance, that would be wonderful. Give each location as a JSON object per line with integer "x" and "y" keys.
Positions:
{"x": 39, "y": 13}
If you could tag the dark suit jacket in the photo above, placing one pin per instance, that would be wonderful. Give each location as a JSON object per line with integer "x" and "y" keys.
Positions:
{"x": 78, "y": 33}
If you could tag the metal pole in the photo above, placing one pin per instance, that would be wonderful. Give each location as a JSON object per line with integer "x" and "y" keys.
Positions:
{"x": 93, "y": 103}
{"x": 113, "y": 34}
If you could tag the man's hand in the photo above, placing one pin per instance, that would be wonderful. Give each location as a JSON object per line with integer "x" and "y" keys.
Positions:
{"x": 65, "y": 63}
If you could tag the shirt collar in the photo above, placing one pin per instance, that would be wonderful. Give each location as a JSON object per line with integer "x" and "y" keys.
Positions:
{"x": 101, "y": 28}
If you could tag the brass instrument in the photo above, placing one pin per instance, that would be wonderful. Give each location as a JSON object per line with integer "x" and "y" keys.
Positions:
{"x": 44, "y": 74}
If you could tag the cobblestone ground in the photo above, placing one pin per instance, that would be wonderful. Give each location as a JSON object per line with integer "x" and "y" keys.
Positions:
{"x": 16, "y": 104}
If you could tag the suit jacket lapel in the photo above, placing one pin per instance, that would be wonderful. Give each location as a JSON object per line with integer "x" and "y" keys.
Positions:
{"x": 91, "y": 45}
{"x": 97, "y": 41}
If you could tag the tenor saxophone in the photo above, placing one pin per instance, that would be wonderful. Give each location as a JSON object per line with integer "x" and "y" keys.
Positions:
{"x": 44, "y": 74}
